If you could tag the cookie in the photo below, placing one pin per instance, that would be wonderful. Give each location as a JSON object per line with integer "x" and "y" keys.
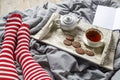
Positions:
{"x": 90, "y": 53}
{"x": 79, "y": 50}
{"x": 70, "y": 37}
{"x": 67, "y": 42}
{"x": 76, "y": 44}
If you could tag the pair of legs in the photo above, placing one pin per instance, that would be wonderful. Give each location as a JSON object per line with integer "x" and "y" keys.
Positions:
{"x": 16, "y": 47}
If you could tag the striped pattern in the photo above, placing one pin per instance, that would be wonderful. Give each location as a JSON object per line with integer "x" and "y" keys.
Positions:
{"x": 7, "y": 67}
{"x": 31, "y": 69}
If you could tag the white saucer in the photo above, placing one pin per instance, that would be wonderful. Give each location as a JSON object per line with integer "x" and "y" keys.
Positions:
{"x": 90, "y": 45}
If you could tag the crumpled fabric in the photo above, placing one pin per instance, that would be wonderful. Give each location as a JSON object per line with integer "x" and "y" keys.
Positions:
{"x": 60, "y": 64}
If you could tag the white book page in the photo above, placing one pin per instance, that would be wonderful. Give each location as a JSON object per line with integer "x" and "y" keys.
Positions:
{"x": 117, "y": 20}
{"x": 104, "y": 17}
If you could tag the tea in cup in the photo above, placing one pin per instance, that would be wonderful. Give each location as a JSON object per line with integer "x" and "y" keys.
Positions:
{"x": 94, "y": 37}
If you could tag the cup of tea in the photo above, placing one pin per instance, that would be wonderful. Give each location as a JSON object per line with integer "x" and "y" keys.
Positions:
{"x": 94, "y": 37}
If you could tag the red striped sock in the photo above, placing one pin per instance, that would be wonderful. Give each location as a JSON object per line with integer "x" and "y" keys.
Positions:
{"x": 7, "y": 66}
{"x": 31, "y": 69}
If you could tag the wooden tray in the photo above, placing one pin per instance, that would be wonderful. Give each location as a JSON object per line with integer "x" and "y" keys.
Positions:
{"x": 104, "y": 55}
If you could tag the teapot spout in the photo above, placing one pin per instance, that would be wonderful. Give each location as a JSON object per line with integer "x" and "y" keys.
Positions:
{"x": 79, "y": 19}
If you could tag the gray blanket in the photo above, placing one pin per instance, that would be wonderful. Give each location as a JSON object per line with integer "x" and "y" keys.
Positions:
{"x": 60, "y": 64}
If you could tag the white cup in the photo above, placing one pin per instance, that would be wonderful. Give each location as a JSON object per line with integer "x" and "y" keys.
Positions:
{"x": 94, "y": 37}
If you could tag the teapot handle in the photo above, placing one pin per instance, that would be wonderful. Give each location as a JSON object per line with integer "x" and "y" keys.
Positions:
{"x": 57, "y": 22}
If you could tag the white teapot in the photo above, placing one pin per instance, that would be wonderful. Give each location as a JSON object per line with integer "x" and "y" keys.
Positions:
{"x": 68, "y": 22}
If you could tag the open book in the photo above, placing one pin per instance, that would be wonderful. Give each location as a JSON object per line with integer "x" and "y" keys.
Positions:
{"x": 107, "y": 17}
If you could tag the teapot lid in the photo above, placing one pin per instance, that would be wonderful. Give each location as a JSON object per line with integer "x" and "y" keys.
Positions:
{"x": 67, "y": 19}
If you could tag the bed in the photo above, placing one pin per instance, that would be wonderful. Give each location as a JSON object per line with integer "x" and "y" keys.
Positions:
{"x": 60, "y": 64}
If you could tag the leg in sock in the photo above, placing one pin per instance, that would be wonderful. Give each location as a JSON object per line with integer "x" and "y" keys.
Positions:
{"x": 7, "y": 66}
{"x": 31, "y": 69}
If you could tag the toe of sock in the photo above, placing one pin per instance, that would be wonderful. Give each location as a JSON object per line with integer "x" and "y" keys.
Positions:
{"x": 15, "y": 15}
